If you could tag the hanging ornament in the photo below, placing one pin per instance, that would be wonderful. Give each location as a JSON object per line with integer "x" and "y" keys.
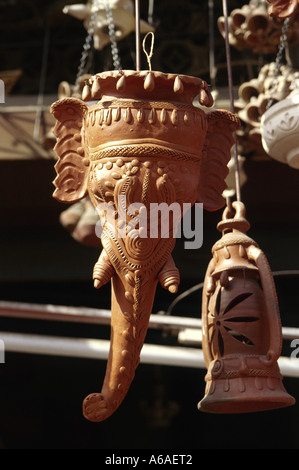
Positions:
{"x": 251, "y": 27}
{"x": 256, "y": 95}
{"x": 242, "y": 337}
{"x": 280, "y": 122}
{"x": 143, "y": 143}
{"x": 279, "y": 127}
{"x": 241, "y": 328}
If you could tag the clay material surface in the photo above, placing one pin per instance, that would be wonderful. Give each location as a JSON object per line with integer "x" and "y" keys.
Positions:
{"x": 242, "y": 336}
{"x": 280, "y": 126}
{"x": 141, "y": 141}
{"x": 251, "y": 26}
{"x": 283, "y": 8}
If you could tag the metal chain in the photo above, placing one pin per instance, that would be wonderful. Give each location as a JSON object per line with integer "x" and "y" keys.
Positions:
{"x": 279, "y": 58}
{"x": 89, "y": 40}
{"x": 283, "y": 44}
{"x": 111, "y": 29}
{"x": 87, "y": 45}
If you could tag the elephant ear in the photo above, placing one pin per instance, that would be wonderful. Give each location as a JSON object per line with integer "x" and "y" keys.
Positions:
{"x": 73, "y": 162}
{"x": 216, "y": 155}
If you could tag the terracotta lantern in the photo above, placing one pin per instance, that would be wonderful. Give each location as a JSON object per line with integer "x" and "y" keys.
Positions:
{"x": 242, "y": 336}
{"x": 142, "y": 142}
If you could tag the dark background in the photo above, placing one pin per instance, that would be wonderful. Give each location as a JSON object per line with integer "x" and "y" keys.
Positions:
{"x": 40, "y": 396}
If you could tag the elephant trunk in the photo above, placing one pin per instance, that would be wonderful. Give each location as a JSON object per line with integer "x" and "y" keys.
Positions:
{"x": 131, "y": 306}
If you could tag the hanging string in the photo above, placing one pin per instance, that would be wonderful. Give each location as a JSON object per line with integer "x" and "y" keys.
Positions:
{"x": 231, "y": 94}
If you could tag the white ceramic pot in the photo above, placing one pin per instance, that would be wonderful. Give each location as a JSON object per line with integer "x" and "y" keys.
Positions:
{"x": 280, "y": 131}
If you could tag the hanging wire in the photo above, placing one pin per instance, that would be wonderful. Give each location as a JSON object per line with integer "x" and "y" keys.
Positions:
{"x": 182, "y": 296}
{"x": 42, "y": 84}
{"x": 231, "y": 94}
{"x": 200, "y": 286}
{"x": 137, "y": 32}
{"x": 213, "y": 69}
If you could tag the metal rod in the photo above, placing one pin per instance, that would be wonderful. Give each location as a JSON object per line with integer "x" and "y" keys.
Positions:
{"x": 231, "y": 94}
{"x": 87, "y": 315}
{"x": 42, "y": 84}
{"x": 103, "y": 317}
{"x": 137, "y": 33}
{"x": 99, "y": 349}
{"x": 23, "y": 109}
{"x": 212, "y": 44}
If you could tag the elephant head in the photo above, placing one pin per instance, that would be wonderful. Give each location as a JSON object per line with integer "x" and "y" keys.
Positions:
{"x": 142, "y": 145}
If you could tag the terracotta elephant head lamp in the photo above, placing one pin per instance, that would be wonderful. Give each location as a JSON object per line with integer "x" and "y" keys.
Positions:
{"x": 143, "y": 142}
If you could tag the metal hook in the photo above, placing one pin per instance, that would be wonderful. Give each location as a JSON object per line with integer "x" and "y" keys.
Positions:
{"x": 150, "y": 55}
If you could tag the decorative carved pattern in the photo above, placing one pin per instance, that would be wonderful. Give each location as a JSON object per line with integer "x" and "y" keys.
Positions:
{"x": 287, "y": 123}
{"x": 70, "y": 186}
{"x": 226, "y": 320}
{"x": 142, "y": 144}
{"x": 279, "y": 129}
{"x": 254, "y": 98}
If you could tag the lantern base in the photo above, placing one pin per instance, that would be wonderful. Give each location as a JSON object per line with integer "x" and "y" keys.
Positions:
{"x": 247, "y": 391}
